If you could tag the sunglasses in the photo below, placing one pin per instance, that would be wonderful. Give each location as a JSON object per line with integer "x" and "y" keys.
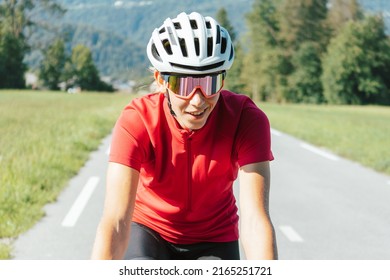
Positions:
{"x": 185, "y": 86}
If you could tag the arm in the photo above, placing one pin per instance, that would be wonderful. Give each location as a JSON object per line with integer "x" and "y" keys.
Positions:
{"x": 257, "y": 232}
{"x": 112, "y": 235}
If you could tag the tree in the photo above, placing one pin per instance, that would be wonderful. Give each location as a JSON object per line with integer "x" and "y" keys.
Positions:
{"x": 343, "y": 11}
{"x": 82, "y": 71}
{"x": 262, "y": 43}
{"x": 304, "y": 84}
{"x": 272, "y": 74}
{"x": 52, "y": 66}
{"x": 17, "y": 14}
{"x": 12, "y": 67}
{"x": 12, "y": 46}
{"x": 15, "y": 19}
{"x": 302, "y": 21}
{"x": 357, "y": 64}
{"x": 233, "y": 81}
{"x": 304, "y": 36}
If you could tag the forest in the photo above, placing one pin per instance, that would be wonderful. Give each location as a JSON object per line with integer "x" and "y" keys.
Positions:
{"x": 301, "y": 51}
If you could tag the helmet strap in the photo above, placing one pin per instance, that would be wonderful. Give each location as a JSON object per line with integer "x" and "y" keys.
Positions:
{"x": 169, "y": 103}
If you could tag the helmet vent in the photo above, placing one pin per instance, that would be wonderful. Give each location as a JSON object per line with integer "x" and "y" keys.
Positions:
{"x": 223, "y": 45}
{"x": 231, "y": 53}
{"x": 177, "y": 25}
{"x": 193, "y": 23}
{"x": 209, "y": 46}
{"x": 167, "y": 46}
{"x": 218, "y": 35}
{"x": 155, "y": 53}
{"x": 183, "y": 47}
{"x": 208, "y": 24}
{"x": 196, "y": 42}
{"x": 162, "y": 30}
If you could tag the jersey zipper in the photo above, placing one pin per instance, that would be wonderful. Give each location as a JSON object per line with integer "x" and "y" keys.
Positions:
{"x": 189, "y": 174}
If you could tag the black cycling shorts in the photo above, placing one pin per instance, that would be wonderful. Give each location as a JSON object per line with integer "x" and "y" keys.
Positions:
{"x": 147, "y": 244}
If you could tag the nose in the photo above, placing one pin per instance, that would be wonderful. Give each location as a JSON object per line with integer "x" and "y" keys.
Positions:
{"x": 197, "y": 99}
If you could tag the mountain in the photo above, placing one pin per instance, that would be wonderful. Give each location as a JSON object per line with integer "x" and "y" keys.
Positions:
{"x": 136, "y": 20}
{"x": 118, "y": 31}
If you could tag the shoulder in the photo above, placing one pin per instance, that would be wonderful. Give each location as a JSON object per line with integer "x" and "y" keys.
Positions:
{"x": 141, "y": 113}
{"x": 239, "y": 104}
{"x": 234, "y": 99}
{"x": 143, "y": 108}
{"x": 131, "y": 136}
{"x": 146, "y": 102}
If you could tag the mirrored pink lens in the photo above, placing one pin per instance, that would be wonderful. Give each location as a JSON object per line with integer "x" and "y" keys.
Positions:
{"x": 185, "y": 85}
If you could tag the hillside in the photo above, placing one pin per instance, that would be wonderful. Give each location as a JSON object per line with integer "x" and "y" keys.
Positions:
{"x": 117, "y": 31}
{"x": 137, "y": 19}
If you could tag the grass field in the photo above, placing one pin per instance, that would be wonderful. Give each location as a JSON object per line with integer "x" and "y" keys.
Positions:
{"x": 46, "y": 137}
{"x": 359, "y": 133}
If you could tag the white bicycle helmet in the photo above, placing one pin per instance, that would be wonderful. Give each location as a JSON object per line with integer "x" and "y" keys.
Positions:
{"x": 190, "y": 44}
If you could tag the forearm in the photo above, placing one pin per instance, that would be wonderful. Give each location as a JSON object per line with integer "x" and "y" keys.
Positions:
{"x": 259, "y": 241}
{"x": 113, "y": 233}
{"x": 111, "y": 241}
{"x": 257, "y": 232}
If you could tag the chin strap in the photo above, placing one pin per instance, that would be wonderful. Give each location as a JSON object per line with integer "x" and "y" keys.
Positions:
{"x": 169, "y": 104}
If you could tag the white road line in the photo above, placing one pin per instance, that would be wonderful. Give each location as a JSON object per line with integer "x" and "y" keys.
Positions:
{"x": 291, "y": 234}
{"x": 80, "y": 203}
{"x": 319, "y": 152}
{"x": 276, "y": 132}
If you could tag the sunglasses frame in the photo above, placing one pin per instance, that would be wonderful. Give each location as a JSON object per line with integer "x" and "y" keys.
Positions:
{"x": 165, "y": 76}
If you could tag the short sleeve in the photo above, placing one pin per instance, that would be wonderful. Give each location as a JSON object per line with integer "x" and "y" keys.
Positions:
{"x": 254, "y": 136}
{"x": 128, "y": 140}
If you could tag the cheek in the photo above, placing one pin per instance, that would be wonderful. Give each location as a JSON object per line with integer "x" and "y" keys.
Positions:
{"x": 178, "y": 104}
{"x": 213, "y": 101}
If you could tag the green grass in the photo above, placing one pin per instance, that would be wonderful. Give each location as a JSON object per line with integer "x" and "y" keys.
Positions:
{"x": 359, "y": 133}
{"x": 45, "y": 138}
{"x": 5, "y": 251}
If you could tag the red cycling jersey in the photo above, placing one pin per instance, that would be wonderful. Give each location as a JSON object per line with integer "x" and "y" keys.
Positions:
{"x": 185, "y": 191}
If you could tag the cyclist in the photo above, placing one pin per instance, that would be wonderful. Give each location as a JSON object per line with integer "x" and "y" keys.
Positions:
{"x": 176, "y": 153}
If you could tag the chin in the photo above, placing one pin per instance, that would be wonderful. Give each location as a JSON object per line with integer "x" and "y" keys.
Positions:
{"x": 197, "y": 126}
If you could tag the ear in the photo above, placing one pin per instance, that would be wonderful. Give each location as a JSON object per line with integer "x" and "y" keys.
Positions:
{"x": 159, "y": 82}
{"x": 159, "y": 79}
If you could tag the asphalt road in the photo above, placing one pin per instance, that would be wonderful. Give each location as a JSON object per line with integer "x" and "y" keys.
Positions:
{"x": 323, "y": 208}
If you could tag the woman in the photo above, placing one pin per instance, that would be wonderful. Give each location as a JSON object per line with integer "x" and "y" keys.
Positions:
{"x": 176, "y": 153}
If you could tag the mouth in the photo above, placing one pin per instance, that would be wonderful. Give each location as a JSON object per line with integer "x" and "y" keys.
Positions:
{"x": 197, "y": 114}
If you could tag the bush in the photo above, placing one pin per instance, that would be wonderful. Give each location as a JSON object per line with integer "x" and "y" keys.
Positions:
{"x": 357, "y": 64}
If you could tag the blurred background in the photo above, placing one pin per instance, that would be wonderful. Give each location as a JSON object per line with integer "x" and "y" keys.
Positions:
{"x": 286, "y": 51}
{"x": 319, "y": 68}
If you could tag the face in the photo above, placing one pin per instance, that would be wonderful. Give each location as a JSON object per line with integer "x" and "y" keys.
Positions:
{"x": 187, "y": 96}
{"x": 193, "y": 113}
